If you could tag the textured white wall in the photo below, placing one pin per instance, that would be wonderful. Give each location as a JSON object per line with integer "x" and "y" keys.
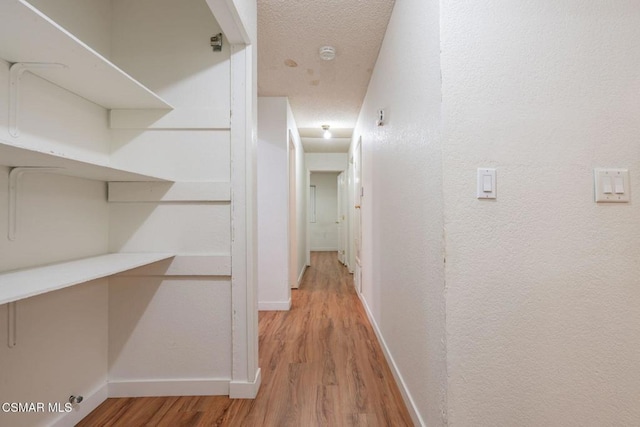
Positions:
{"x": 324, "y": 232}
{"x": 402, "y": 208}
{"x": 543, "y": 323}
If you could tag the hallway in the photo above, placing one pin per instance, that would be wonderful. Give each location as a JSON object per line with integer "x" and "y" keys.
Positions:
{"x": 321, "y": 365}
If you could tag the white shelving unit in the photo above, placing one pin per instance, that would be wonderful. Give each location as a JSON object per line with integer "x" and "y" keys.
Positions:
{"x": 13, "y": 155}
{"x": 21, "y": 284}
{"x": 29, "y": 36}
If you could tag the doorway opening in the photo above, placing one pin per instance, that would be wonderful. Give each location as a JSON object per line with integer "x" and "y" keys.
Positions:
{"x": 327, "y": 225}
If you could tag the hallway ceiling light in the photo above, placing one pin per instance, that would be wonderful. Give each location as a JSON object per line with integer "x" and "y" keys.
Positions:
{"x": 327, "y": 133}
{"x": 327, "y": 53}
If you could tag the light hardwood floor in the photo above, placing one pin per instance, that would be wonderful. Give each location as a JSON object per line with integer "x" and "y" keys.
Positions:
{"x": 321, "y": 366}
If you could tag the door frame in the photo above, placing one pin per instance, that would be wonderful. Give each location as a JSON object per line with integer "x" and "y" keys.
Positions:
{"x": 341, "y": 219}
{"x": 293, "y": 216}
{"x": 356, "y": 223}
{"x": 308, "y": 192}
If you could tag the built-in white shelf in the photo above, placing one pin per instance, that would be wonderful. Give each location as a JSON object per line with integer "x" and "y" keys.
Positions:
{"x": 13, "y": 155}
{"x": 21, "y": 284}
{"x": 29, "y": 36}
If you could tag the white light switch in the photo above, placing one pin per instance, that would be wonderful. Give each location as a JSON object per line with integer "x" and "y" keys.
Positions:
{"x": 619, "y": 184}
{"x": 486, "y": 183}
{"x": 612, "y": 185}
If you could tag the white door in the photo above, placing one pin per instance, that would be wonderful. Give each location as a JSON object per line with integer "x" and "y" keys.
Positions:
{"x": 293, "y": 223}
{"x": 342, "y": 218}
{"x": 357, "y": 214}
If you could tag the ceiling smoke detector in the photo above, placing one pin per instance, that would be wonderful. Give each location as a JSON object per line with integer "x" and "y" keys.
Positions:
{"x": 327, "y": 53}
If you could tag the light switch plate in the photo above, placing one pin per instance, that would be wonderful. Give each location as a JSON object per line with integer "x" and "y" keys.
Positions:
{"x": 611, "y": 185}
{"x": 486, "y": 183}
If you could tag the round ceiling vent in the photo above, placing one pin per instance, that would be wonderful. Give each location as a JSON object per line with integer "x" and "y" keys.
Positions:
{"x": 327, "y": 53}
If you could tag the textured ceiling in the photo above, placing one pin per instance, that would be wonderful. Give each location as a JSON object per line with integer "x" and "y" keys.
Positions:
{"x": 290, "y": 33}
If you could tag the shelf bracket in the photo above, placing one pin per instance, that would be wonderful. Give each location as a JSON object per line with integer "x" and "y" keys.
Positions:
{"x": 14, "y": 178}
{"x": 12, "y": 333}
{"x": 15, "y": 73}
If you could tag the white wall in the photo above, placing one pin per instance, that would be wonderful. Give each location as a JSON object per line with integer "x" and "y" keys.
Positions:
{"x": 273, "y": 208}
{"x": 194, "y": 342}
{"x": 543, "y": 323}
{"x": 327, "y": 162}
{"x": 301, "y": 198}
{"x": 88, "y": 20}
{"x": 324, "y": 231}
{"x": 402, "y": 213}
{"x": 275, "y": 121}
{"x": 541, "y": 295}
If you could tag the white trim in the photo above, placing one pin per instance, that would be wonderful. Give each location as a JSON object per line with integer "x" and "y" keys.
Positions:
{"x": 244, "y": 305}
{"x": 307, "y": 227}
{"x": 406, "y": 395}
{"x": 324, "y": 249}
{"x": 304, "y": 268}
{"x": 191, "y": 387}
{"x": 274, "y": 305}
{"x": 245, "y": 389}
{"x": 89, "y": 403}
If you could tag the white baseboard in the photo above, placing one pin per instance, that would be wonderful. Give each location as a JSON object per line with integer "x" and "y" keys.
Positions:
{"x": 406, "y": 396}
{"x": 304, "y": 268}
{"x": 245, "y": 390}
{"x": 324, "y": 249}
{"x": 193, "y": 387}
{"x": 274, "y": 305}
{"x": 89, "y": 403}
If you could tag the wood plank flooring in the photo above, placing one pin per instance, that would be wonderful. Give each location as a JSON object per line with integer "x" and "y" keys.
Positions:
{"x": 321, "y": 366}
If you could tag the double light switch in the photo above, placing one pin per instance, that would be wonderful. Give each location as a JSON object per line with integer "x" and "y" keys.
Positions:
{"x": 612, "y": 185}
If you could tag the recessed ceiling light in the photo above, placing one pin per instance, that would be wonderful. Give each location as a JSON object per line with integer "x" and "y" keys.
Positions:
{"x": 327, "y": 53}
{"x": 326, "y": 134}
